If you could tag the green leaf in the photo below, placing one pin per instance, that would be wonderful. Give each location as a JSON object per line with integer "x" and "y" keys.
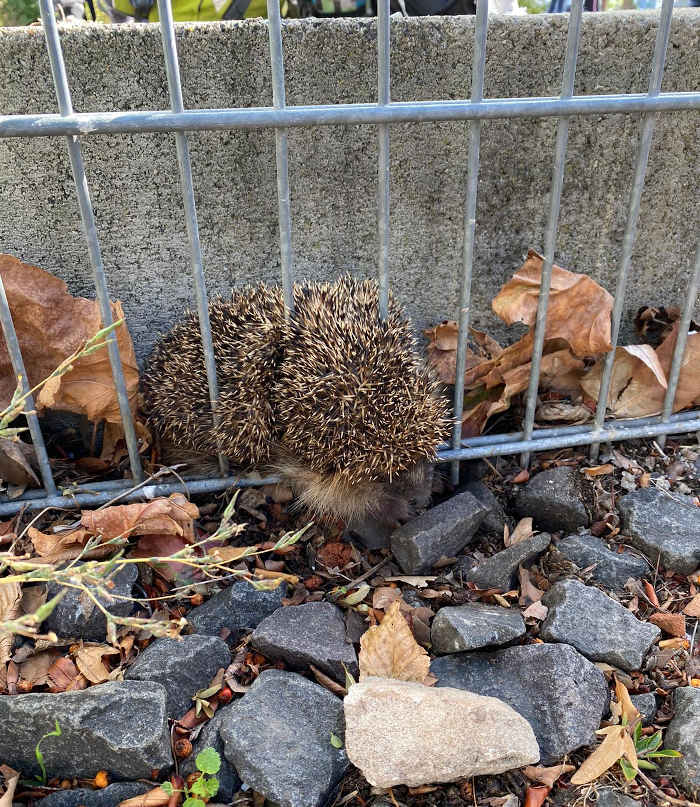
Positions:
{"x": 647, "y": 744}
{"x": 167, "y": 788}
{"x": 648, "y": 766}
{"x": 355, "y": 597}
{"x": 665, "y": 752}
{"x": 190, "y": 802}
{"x": 212, "y": 786}
{"x": 637, "y": 733}
{"x": 336, "y": 742}
{"x": 208, "y": 761}
{"x": 199, "y": 787}
{"x": 629, "y": 770}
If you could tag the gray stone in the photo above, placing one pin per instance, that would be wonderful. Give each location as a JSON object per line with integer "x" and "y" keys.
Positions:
{"x": 613, "y": 798}
{"x": 554, "y": 499}
{"x": 646, "y": 706}
{"x": 596, "y": 625}
{"x": 442, "y": 531}
{"x": 210, "y": 737}
{"x": 501, "y": 570}
{"x": 371, "y": 532}
{"x": 107, "y": 797}
{"x": 333, "y": 168}
{"x": 612, "y": 569}
{"x": 404, "y": 733}
{"x": 183, "y": 666}
{"x": 77, "y": 616}
{"x": 475, "y": 625}
{"x": 120, "y": 727}
{"x": 665, "y": 525}
{"x": 559, "y": 692}
{"x": 682, "y": 735}
{"x": 313, "y": 633}
{"x": 239, "y": 608}
{"x": 495, "y": 519}
{"x": 278, "y": 738}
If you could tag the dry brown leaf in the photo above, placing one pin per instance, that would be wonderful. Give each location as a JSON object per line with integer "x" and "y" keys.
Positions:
{"x": 51, "y": 325}
{"x": 599, "y": 470}
{"x": 672, "y": 624}
{"x": 89, "y": 661}
{"x": 418, "y": 581}
{"x": 33, "y": 597}
{"x": 35, "y": 670}
{"x": 629, "y": 713}
{"x": 536, "y": 611}
{"x": 693, "y": 607}
{"x": 16, "y": 460}
{"x": 688, "y": 390}
{"x": 10, "y": 608}
{"x": 228, "y": 554}
{"x": 11, "y": 778}
{"x": 535, "y": 796}
{"x": 529, "y": 592}
{"x": 389, "y": 650}
{"x": 615, "y": 745}
{"x": 442, "y": 349}
{"x": 64, "y": 676}
{"x": 522, "y": 531}
{"x": 173, "y": 515}
{"x": 383, "y": 596}
{"x": 46, "y": 544}
{"x": 547, "y": 776}
{"x": 154, "y": 798}
{"x": 578, "y": 310}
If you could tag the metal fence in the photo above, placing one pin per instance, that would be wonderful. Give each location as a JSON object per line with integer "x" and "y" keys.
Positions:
{"x": 73, "y": 125}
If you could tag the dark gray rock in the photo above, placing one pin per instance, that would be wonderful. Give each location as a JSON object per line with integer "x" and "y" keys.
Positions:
{"x": 183, "y": 666}
{"x": 554, "y": 499}
{"x": 596, "y": 625}
{"x": 613, "y": 798}
{"x": 120, "y": 727}
{"x": 278, "y": 737}
{"x": 683, "y": 734}
{"x": 495, "y": 519}
{"x": 612, "y": 569}
{"x": 108, "y": 797}
{"x": 660, "y": 524}
{"x": 646, "y": 706}
{"x": 77, "y": 616}
{"x": 442, "y": 531}
{"x": 313, "y": 633}
{"x": 239, "y": 608}
{"x": 559, "y": 692}
{"x": 210, "y": 737}
{"x": 475, "y": 625}
{"x": 371, "y": 532}
{"x": 501, "y": 570}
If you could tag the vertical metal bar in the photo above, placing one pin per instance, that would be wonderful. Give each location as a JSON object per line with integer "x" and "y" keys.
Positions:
{"x": 384, "y": 168}
{"x": 13, "y": 348}
{"x": 279, "y": 100}
{"x": 477, "y": 93}
{"x": 172, "y": 70}
{"x": 679, "y": 349}
{"x": 550, "y": 238}
{"x": 648, "y": 122}
{"x": 65, "y": 107}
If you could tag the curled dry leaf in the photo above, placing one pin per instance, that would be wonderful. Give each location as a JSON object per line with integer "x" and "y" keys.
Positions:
{"x": 88, "y": 660}
{"x": 535, "y": 796}
{"x": 389, "y": 650}
{"x": 693, "y": 607}
{"x": 16, "y": 460}
{"x": 47, "y": 544}
{"x": 64, "y": 676}
{"x": 547, "y": 776}
{"x": 154, "y": 798}
{"x": 34, "y": 672}
{"x": 51, "y": 325}
{"x": 529, "y": 592}
{"x": 599, "y": 470}
{"x": 10, "y": 608}
{"x": 11, "y": 778}
{"x": 523, "y": 530}
{"x": 623, "y": 708}
{"x": 578, "y": 310}
{"x": 617, "y": 743}
{"x": 172, "y": 516}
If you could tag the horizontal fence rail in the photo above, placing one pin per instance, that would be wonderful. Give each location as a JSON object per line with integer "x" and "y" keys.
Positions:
{"x": 280, "y": 116}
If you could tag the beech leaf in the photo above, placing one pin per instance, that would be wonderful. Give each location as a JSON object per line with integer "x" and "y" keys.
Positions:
{"x": 388, "y": 650}
{"x": 547, "y": 776}
{"x": 10, "y": 608}
{"x": 89, "y": 661}
{"x": 158, "y": 797}
{"x": 523, "y": 530}
{"x": 615, "y": 745}
{"x": 11, "y": 778}
{"x": 173, "y": 515}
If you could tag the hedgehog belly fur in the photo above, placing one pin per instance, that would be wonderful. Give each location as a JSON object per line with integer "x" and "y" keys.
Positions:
{"x": 337, "y": 401}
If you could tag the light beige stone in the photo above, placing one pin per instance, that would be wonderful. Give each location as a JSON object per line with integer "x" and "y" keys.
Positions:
{"x": 404, "y": 733}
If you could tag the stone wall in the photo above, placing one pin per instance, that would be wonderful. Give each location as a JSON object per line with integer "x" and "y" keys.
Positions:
{"x": 134, "y": 179}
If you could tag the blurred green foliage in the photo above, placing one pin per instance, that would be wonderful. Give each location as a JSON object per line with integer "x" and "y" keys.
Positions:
{"x": 18, "y": 12}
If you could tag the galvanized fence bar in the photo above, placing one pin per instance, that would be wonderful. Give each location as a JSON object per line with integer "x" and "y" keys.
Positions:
{"x": 681, "y": 340}
{"x": 279, "y": 100}
{"x": 8, "y": 329}
{"x": 84, "y": 124}
{"x": 550, "y": 236}
{"x": 477, "y": 93}
{"x": 384, "y": 168}
{"x": 630, "y": 236}
{"x": 87, "y": 215}
{"x": 172, "y": 70}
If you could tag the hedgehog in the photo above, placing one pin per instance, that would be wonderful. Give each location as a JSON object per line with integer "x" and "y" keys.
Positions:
{"x": 332, "y": 398}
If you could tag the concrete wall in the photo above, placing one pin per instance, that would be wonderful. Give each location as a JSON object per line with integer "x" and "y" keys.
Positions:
{"x": 134, "y": 180}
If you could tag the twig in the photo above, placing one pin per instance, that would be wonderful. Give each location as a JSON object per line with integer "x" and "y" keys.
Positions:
{"x": 665, "y": 798}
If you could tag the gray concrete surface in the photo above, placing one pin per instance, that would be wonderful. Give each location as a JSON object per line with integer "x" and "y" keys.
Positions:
{"x": 333, "y": 170}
